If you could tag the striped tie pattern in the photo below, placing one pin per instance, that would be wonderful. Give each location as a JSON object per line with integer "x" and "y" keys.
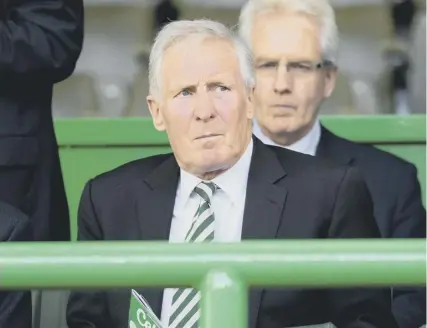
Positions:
{"x": 185, "y": 301}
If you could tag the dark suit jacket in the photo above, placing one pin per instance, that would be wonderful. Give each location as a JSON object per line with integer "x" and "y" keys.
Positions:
{"x": 40, "y": 41}
{"x": 289, "y": 196}
{"x": 15, "y": 306}
{"x": 398, "y": 207}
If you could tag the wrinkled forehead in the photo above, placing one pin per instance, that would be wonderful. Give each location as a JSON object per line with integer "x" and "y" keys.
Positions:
{"x": 286, "y": 34}
{"x": 196, "y": 60}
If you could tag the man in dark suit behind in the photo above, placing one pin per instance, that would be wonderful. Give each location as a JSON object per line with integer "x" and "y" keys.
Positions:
{"x": 15, "y": 306}
{"x": 40, "y": 41}
{"x": 294, "y": 45}
{"x": 222, "y": 185}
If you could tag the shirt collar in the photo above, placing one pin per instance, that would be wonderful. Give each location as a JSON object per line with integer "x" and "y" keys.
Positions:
{"x": 306, "y": 145}
{"x": 233, "y": 181}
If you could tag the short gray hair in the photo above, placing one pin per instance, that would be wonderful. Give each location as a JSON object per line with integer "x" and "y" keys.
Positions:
{"x": 320, "y": 9}
{"x": 179, "y": 30}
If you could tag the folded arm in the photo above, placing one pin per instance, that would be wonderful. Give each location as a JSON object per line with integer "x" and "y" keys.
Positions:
{"x": 41, "y": 37}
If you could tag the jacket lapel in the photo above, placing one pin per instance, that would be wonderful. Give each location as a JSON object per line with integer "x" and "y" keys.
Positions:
{"x": 155, "y": 204}
{"x": 265, "y": 201}
{"x": 333, "y": 147}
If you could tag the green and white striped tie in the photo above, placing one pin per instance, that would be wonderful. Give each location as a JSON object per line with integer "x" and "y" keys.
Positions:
{"x": 185, "y": 301}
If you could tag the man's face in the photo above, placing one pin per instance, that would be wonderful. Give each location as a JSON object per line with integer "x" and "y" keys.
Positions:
{"x": 204, "y": 106}
{"x": 287, "y": 93}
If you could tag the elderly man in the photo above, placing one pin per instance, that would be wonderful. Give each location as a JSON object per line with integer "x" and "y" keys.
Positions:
{"x": 294, "y": 45}
{"x": 222, "y": 185}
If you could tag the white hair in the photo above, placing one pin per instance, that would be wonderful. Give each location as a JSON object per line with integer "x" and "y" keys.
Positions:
{"x": 178, "y": 30}
{"x": 320, "y": 9}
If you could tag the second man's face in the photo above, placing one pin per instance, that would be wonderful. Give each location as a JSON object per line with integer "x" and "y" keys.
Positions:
{"x": 289, "y": 87}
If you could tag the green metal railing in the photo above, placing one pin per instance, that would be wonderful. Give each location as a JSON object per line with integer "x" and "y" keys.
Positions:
{"x": 223, "y": 272}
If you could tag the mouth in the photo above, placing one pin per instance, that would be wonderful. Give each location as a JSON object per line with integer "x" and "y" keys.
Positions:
{"x": 284, "y": 106}
{"x": 207, "y": 136}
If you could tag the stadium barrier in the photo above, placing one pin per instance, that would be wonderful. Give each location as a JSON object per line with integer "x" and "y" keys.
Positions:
{"x": 223, "y": 272}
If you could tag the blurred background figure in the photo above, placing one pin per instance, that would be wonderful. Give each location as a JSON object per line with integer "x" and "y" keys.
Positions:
{"x": 40, "y": 41}
{"x": 402, "y": 14}
{"x": 165, "y": 12}
{"x": 15, "y": 306}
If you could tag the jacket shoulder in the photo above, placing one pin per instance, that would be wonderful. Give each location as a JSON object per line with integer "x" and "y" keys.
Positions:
{"x": 374, "y": 157}
{"x": 295, "y": 161}
{"x": 129, "y": 171}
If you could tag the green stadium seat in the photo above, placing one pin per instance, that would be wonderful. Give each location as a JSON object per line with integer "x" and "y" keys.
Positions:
{"x": 137, "y": 105}
{"x": 49, "y": 309}
{"x": 76, "y": 97}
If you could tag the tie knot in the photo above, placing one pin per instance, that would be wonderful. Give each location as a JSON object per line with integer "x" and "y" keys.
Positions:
{"x": 205, "y": 190}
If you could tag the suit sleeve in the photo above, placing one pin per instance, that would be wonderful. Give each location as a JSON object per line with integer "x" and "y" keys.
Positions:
{"x": 15, "y": 306}
{"x": 41, "y": 37}
{"x": 409, "y": 304}
{"x": 352, "y": 217}
{"x": 87, "y": 309}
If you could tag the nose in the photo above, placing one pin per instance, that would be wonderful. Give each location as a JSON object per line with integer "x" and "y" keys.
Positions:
{"x": 205, "y": 108}
{"x": 283, "y": 81}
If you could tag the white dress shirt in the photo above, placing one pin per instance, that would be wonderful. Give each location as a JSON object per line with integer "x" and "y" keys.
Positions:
{"x": 306, "y": 145}
{"x": 228, "y": 204}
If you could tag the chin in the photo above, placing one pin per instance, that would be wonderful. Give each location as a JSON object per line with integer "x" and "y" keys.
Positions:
{"x": 288, "y": 125}
{"x": 284, "y": 128}
{"x": 214, "y": 161}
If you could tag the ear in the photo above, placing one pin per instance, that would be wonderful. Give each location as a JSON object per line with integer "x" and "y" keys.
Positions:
{"x": 330, "y": 81}
{"x": 250, "y": 107}
{"x": 156, "y": 113}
